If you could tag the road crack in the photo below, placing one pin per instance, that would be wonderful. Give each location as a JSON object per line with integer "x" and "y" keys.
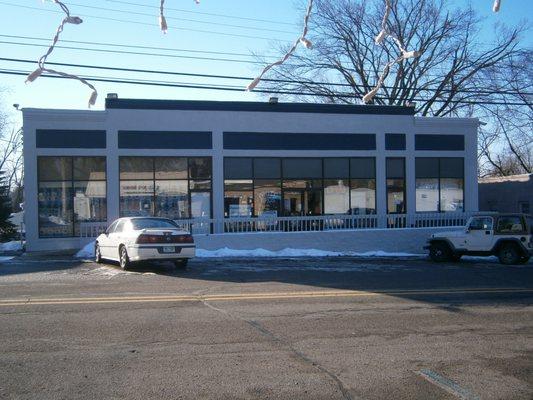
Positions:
{"x": 282, "y": 343}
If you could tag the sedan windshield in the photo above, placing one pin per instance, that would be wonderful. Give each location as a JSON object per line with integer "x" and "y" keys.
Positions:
{"x": 144, "y": 223}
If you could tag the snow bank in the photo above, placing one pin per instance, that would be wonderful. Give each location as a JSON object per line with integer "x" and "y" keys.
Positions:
{"x": 14, "y": 245}
{"x": 86, "y": 252}
{"x": 226, "y": 252}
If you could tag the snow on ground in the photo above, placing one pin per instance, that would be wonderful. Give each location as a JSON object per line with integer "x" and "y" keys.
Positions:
{"x": 5, "y": 258}
{"x": 88, "y": 252}
{"x": 14, "y": 245}
{"x": 226, "y": 252}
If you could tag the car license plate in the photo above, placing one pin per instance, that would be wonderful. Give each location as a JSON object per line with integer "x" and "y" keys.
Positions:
{"x": 168, "y": 249}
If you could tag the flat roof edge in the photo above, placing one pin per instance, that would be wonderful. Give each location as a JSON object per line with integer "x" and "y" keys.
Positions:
{"x": 252, "y": 106}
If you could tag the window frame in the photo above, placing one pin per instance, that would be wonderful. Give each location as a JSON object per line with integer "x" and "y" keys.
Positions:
{"x": 404, "y": 179}
{"x": 189, "y": 179}
{"x": 71, "y": 182}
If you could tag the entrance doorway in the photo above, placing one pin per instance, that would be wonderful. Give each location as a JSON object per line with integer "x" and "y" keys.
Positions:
{"x": 302, "y": 202}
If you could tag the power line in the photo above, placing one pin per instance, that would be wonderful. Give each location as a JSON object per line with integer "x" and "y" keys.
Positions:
{"x": 240, "y": 89}
{"x": 134, "y": 46}
{"x": 202, "y": 13}
{"x": 247, "y": 78}
{"x": 181, "y": 19}
{"x": 148, "y": 24}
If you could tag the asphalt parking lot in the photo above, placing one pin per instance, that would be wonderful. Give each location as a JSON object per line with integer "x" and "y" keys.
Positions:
{"x": 322, "y": 328}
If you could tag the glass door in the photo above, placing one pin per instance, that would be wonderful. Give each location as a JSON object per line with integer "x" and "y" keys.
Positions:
{"x": 293, "y": 204}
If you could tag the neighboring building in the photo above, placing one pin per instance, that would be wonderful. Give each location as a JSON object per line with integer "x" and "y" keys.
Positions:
{"x": 507, "y": 194}
{"x": 206, "y": 159}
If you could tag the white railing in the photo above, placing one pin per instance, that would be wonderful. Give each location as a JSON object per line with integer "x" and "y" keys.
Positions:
{"x": 305, "y": 224}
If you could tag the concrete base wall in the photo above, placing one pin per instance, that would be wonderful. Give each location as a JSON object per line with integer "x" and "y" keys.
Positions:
{"x": 360, "y": 241}
{"x": 389, "y": 240}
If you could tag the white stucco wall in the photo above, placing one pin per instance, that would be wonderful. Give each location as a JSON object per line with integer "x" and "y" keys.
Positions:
{"x": 217, "y": 122}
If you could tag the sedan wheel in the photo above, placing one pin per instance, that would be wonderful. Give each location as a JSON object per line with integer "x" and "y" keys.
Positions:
{"x": 124, "y": 259}
{"x": 97, "y": 254}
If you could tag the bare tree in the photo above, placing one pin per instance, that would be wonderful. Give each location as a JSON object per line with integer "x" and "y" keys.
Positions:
{"x": 11, "y": 157}
{"x": 455, "y": 75}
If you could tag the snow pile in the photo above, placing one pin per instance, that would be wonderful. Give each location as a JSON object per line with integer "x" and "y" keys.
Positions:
{"x": 14, "y": 245}
{"x": 86, "y": 252}
{"x": 226, "y": 252}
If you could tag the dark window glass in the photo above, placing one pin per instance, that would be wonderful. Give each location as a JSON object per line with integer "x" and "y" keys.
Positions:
{"x": 302, "y": 168}
{"x": 480, "y": 224}
{"x": 164, "y": 140}
{"x": 440, "y": 142}
{"x": 238, "y": 168}
{"x": 143, "y": 223}
{"x": 395, "y": 141}
{"x": 171, "y": 199}
{"x": 396, "y": 196}
{"x": 451, "y": 168}
{"x": 200, "y": 168}
{"x": 136, "y": 168}
{"x": 170, "y": 168}
{"x": 511, "y": 224}
{"x": 55, "y": 168}
{"x": 363, "y": 168}
{"x": 336, "y": 167}
{"x": 89, "y": 168}
{"x": 55, "y": 209}
{"x": 267, "y": 201}
{"x": 136, "y": 198}
{"x": 268, "y": 168}
{"x": 427, "y": 167}
{"x": 395, "y": 168}
{"x": 71, "y": 139}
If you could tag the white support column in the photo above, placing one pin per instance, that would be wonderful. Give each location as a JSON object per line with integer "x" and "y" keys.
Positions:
{"x": 218, "y": 178}
{"x": 31, "y": 214}
{"x": 381, "y": 178}
{"x": 113, "y": 182}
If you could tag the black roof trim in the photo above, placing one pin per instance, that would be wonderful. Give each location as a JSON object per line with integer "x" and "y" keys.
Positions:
{"x": 317, "y": 108}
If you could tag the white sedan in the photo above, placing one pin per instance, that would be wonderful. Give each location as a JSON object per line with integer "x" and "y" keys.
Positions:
{"x": 144, "y": 239}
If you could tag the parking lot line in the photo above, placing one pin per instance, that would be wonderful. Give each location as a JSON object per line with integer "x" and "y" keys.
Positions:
{"x": 253, "y": 296}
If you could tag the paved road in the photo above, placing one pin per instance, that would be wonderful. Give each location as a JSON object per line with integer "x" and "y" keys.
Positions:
{"x": 336, "y": 328}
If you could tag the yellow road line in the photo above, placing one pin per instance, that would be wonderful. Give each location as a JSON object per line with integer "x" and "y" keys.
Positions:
{"x": 252, "y": 296}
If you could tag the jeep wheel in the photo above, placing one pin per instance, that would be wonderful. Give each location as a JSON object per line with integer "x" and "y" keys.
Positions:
{"x": 509, "y": 254}
{"x": 456, "y": 257}
{"x": 439, "y": 252}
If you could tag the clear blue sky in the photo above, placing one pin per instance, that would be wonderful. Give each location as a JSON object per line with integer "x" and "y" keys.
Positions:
{"x": 40, "y": 20}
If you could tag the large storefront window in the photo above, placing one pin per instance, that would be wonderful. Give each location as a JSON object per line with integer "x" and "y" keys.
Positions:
{"x": 72, "y": 193}
{"x": 298, "y": 186}
{"x": 439, "y": 184}
{"x": 396, "y": 186}
{"x": 169, "y": 187}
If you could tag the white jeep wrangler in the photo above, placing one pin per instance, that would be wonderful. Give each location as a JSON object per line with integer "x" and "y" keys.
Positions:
{"x": 508, "y": 236}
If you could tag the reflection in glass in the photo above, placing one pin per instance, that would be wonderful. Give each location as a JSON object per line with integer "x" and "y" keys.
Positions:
{"x": 136, "y": 168}
{"x": 201, "y": 204}
{"x": 336, "y": 196}
{"x": 427, "y": 195}
{"x": 267, "y": 198}
{"x": 395, "y": 196}
{"x": 55, "y": 168}
{"x": 171, "y": 199}
{"x": 238, "y": 203}
{"x": 89, "y": 168}
{"x": 136, "y": 198}
{"x": 200, "y": 168}
{"x": 302, "y": 184}
{"x": 170, "y": 167}
{"x": 451, "y": 194}
{"x": 363, "y": 196}
{"x": 55, "y": 209}
{"x": 90, "y": 201}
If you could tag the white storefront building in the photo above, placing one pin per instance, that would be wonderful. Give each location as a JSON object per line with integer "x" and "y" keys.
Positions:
{"x": 242, "y": 166}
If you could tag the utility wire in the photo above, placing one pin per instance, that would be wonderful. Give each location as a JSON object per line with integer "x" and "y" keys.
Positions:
{"x": 247, "y": 78}
{"x": 240, "y": 89}
{"x": 180, "y": 19}
{"x": 202, "y": 13}
{"x": 211, "y": 32}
